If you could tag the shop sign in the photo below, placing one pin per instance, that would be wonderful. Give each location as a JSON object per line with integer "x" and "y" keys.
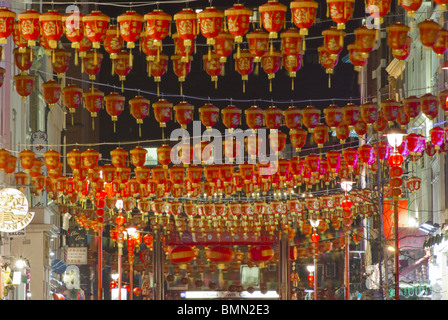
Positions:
{"x": 76, "y": 255}
{"x": 77, "y": 237}
{"x": 14, "y": 214}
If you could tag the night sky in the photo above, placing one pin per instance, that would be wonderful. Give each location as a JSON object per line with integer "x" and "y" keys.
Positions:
{"x": 310, "y": 84}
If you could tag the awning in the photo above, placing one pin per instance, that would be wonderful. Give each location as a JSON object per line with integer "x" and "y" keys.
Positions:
{"x": 416, "y": 265}
{"x": 58, "y": 266}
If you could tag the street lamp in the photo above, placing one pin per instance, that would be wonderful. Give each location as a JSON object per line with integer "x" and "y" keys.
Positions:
{"x": 347, "y": 186}
{"x": 395, "y": 139}
{"x": 315, "y": 238}
{"x": 132, "y": 235}
{"x": 120, "y": 238}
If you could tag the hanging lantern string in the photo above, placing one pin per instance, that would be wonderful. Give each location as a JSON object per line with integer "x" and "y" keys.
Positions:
{"x": 183, "y": 96}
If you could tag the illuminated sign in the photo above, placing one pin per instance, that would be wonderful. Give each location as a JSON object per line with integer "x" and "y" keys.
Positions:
{"x": 14, "y": 214}
{"x": 228, "y": 294}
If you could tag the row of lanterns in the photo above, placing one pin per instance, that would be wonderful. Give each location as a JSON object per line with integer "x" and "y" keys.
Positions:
{"x": 87, "y": 32}
{"x": 180, "y": 181}
{"x": 339, "y": 119}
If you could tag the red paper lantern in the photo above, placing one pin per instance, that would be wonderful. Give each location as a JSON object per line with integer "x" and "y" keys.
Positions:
{"x": 441, "y": 44}
{"x": 114, "y": 106}
{"x": 403, "y": 53}
{"x": 272, "y": 15}
{"x": 360, "y": 128}
{"x": 292, "y": 64}
{"x": 209, "y": 115}
{"x": 74, "y": 28}
{"x": 157, "y": 25}
{"x": 351, "y": 114}
{"x": 403, "y": 119}
{"x": 213, "y": 66}
{"x": 181, "y": 68}
{"x": 293, "y": 117}
{"x": 139, "y": 107}
{"x": 303, "y": 14}
{"x": 19, "y": 40}
{"x": 123, "y": 65}
{"x": 356, "y": 56}
{"x": 378, "y": 8}
{"x": 412, "y": 106}
{"x": 131, "y": 24}
{"x": 413, "y": 184}
{"x": 89, "y": 159}
{"x": 340, "y": 11}
{"x": 211, "y": 21}
{"x": 411, "y": 6}
{"x": 254, "y": 117}
{"x": 30, "y": 26}
{"x": 328, "y": 61}
{"x": 138, "y": 156}
{"x": 342, "y": 132}
{"x": 74, "y": 159}
{"x": 183, "y": 113}
{"x": 164, "y": 155}
{"x": 333, "y": 41}
{"x": 119, "y": 156}
{"x": 231, "y": 117}
{"x": 51, "y": 92}
{"x": 51, "y": 27}
{"x": 26, "y": 158}
{"x": 429, "y": 31}
{"x": 334, "y": 160}
{"x": 270, "y": 63}
{"x": 298, "y": 138}
{"x": 93, "y": 102}
{"x": 220, "y": 254}
{"x": 186, "y": 26}
{"x": 366, "y": 154}
{"x": 390, "y": 110}
{"x": 258, "y": 43}
{"x": 429, "y": 104}
{"x": 437, "y": 136}
{"x": 92, "y": 63}
{"x": 162, "y": 111}
{"x": 365, "y": 38}
{"x": 4, "y": 158}
{"x": 320, "y": 135}
{"x": 158, "y": 68}
{"x": 96, "y": 26}
{"x": 277, "y": 141}
{"x": 260, "y": 253}
{"x": 72, "y": 97}
{"x": 333, "y": 116}
{"x": 244, "y": 65}
{"x": 23, "y": 59}
{"x": 310, "y": 117}
{"x": 369, "y": 113}
{"x": 181, "y": 254}
{"x": 60, "y": 61}
{"x": 396, "y": 35}
{"x": 24, "y": 85}
{"x": 2, "y": 75}
{"x": 351, "y": 157}
{"x": 238, "y": 22}
{"x": 273, "y": 117}
{"x": 223, "y": 45}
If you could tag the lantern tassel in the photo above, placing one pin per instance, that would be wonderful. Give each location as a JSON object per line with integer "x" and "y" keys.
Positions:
{"x": 115, "y": 127}
{"x": 76, "y": 58}
{"x": 93, "y": 124}
{"x": 329, "y": 81}
{"x": 112, "y": 69}
{"x": 292, "y": 84}
{"x": 140, "y": 131}
{"x": 158, "y": 90}
{"x": 244, "y": 86}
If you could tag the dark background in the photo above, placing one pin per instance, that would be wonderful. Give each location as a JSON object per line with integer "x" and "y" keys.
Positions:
{"x": 310, "y": 84}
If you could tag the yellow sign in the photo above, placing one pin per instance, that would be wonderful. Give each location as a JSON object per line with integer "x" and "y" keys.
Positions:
{"x": 14, "y": 213}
